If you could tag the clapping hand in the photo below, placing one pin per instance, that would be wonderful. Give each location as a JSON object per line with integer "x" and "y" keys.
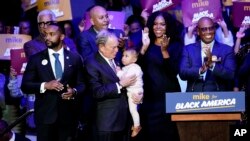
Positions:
{"x": 165, "y": 42}
{"x": 208, "y": 60}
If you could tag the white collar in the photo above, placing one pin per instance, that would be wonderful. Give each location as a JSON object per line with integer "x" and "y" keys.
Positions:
{"x": 51, "y": 51}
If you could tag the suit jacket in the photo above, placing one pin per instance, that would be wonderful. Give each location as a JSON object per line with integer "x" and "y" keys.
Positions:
{"x": 111, "y": 108}
{"x": 38, "y": 44}
{"x": 49, "y": 106}
{"x": 215, "y": 80}
{"x": 244, "y": 74}
{"x": 87, "y": 42}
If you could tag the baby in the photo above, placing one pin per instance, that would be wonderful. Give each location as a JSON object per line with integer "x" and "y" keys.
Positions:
{"x": 131, "y": 68}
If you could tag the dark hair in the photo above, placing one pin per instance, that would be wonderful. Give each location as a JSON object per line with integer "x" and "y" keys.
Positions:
{"x": 135, "y": 19}
{"x": 72, "y": 27}
{"x": 173, "y": 27}
{"x": 59, "y": 25}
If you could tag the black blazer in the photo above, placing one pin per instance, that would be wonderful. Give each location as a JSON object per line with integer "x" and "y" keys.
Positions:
{"x": 111, "y": 108}
{"x": 49, "y": 106}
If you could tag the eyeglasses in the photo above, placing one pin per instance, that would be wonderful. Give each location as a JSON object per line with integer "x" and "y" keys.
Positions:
{"x": 42, "y": 24}
{"x": 205, "y": 29}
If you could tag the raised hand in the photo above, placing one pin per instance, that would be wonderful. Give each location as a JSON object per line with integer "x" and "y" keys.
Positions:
{"x": 145, "y": 37}
{"x": 145, "y": 40}
{"x": 191, "y": 30}
{"x": 145, "y": 15}
{"x": 165, "y": 42}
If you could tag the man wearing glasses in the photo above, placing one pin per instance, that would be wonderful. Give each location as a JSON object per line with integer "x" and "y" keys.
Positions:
{"x": 207, "y": 65}
{"x": 44, "y": 18}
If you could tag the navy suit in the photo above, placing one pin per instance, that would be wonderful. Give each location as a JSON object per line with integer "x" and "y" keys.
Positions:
{"x": 87, "y": 42}
{"x": 111, "y": 108}
{"x": 215, "y": 80}
{"x": 50, "y": 108}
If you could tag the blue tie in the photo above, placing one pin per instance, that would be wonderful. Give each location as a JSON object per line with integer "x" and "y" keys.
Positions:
{"x": 58, "y": 66}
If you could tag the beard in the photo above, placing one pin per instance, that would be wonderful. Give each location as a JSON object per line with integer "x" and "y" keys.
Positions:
{"x": 52, "y": 45}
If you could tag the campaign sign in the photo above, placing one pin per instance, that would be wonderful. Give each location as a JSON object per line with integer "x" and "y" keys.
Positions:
{"x": 241, "y": 13}
{"x": 61, "y": 8}
{"x": 116, "y": 20}
{"x": 10, "y": 41}
{"x": 205, "y": 102}
{"x": 158, "y": 5}
{"x": 18, "y": 60}
{"x": 193, "y": 10}
{"x": 28, "y": 4}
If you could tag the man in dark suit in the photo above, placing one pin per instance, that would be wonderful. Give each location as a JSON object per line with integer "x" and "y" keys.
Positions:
{"x": 57, "y": 83}
{"x": 207, "y": 65}
{"x": 44, "y": 18}
{"x": 86, "y": 40}
{"x": 10, "y": 135}
{"x": 111, "y": 107}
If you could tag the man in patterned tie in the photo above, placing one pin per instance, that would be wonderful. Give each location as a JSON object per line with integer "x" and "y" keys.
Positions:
{"x": 207, "y": 69}
{"x": 57, "y": 83}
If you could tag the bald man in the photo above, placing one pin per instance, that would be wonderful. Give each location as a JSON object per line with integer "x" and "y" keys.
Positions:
{"x": 207, "y": 65}
{"x": 86, "y": 40}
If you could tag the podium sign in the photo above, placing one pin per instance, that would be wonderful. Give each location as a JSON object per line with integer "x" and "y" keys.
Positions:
{"x": 205, "y": 102}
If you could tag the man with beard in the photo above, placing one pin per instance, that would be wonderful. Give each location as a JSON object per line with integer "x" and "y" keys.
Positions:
{"x": 55, "y": 76}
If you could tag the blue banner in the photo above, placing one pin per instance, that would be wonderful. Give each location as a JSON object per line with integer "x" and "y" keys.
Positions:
{"x": 202, "y": 102}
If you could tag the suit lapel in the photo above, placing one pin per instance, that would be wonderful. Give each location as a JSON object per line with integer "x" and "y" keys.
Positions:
{"x": 215, "y": 50}
{"x": 67, "y": 65}
{"x": 105, "y": 66}
{"x": 198, "y": 53}
{"x": 47, "y": 69}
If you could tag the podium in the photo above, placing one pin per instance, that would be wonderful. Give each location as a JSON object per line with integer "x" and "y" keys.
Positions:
{"x": 206, "y": 117}
{"x": 202, "y": 116}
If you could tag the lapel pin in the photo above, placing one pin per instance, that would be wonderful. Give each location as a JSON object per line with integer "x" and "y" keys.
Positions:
{"x": 67, "y": 57}
{"x": 44, "y": 62}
